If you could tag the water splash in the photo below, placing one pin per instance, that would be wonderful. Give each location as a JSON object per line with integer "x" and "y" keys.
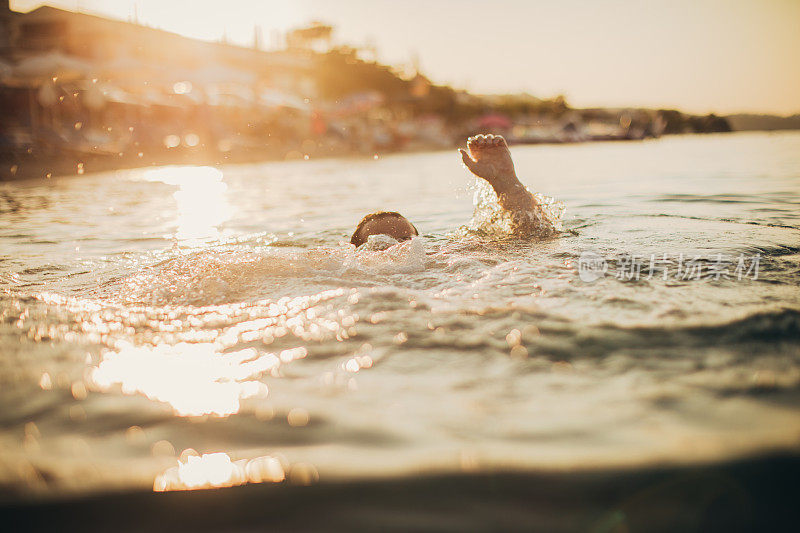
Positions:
{"x": 491, "y": 219}
{"x": 211, "y": 277}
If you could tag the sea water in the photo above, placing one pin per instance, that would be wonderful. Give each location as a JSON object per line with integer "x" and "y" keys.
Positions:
{"x": 187, "y": 327}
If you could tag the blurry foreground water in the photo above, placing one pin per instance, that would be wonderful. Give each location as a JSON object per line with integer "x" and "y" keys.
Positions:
{"x": 186, "y": 327}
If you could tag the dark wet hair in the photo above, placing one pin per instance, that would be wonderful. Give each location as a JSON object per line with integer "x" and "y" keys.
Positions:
{"x": 358, "y": 240}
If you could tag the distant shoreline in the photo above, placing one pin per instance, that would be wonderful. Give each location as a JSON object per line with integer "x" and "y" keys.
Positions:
{"x": 31, "y": 168}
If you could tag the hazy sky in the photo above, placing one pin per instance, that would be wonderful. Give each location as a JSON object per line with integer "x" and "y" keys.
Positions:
{"x": 698, "y": 55}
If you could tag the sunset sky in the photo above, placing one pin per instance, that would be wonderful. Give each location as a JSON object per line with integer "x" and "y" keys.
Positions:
{"x": 697, "y": 55}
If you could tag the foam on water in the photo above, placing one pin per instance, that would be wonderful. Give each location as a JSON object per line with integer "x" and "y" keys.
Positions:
{"x": 215, "y": 276}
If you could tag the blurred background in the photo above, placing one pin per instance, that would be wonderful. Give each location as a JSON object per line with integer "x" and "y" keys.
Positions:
{"x": 97, "y": 85}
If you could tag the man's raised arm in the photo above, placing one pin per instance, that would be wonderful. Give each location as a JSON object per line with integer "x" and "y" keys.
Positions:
{"x": 490, "y": 159}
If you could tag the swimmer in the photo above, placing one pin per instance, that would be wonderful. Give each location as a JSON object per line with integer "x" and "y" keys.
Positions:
{"x": 388, "y": 223}
{"x": 490, "y": 159}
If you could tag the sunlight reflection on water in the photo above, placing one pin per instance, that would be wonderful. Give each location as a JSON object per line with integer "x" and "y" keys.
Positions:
{"x": 187, "y": 362}
{"x": 200, "y": 199}
{"x": 195, "y": 379}
{"x": 214, "y": 470}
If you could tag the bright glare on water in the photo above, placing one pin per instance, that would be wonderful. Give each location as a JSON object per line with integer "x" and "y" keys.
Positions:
{"x": 190, "y": 327}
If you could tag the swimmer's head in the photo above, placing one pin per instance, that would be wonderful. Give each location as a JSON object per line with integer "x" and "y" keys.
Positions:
{"x": 388, "y": 223}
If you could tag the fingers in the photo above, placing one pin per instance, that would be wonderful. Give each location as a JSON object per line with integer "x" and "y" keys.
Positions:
{"x": 479, "y": 142}
{"x": 468, "y": 161}
{"x": 476, "y": 144}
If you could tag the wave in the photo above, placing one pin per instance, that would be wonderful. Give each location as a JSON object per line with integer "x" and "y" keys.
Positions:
{"x": 211, "y": 277}
{"x": 712, "y": 198}
{"x": 729, "y": 198}
{"x": 772, "y": 327}
{"x": 716, "y": 219}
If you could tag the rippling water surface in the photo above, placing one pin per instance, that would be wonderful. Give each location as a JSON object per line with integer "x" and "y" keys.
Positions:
{"x": 185, "y": 327}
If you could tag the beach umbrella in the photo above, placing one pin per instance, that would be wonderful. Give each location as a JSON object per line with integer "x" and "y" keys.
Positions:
{"x": 276, "y": 98}
{"x": 116, "y": 95}
{"x": 52, "y": 65}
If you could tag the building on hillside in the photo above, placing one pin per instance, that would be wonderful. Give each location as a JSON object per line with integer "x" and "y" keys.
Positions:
{"x": 123, "y": 47}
